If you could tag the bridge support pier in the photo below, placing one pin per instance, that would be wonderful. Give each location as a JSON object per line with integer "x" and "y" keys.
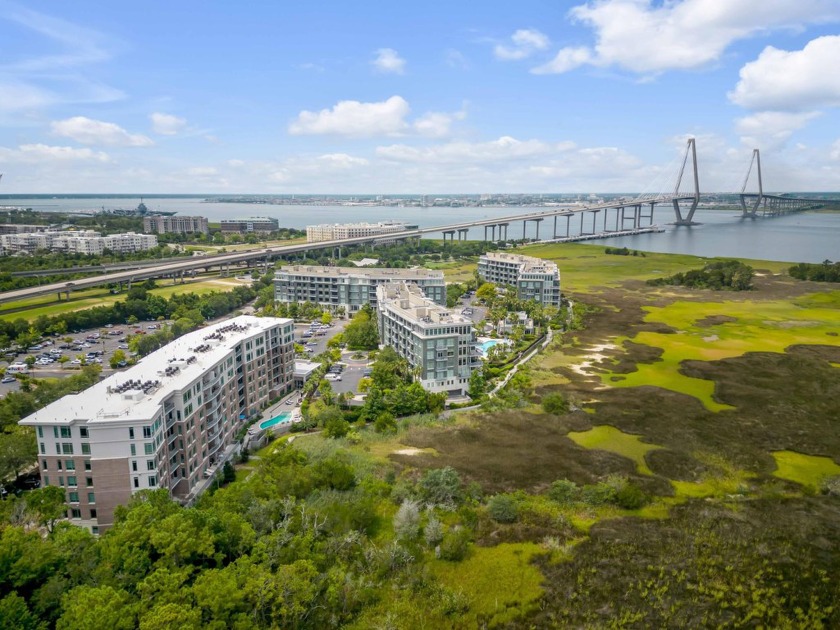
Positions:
{"x": 451, "y": 234}
{"x": 462, "y": 234}
{"x": 505, "y": 226}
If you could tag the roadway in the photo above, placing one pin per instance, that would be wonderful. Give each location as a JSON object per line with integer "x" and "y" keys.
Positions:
{"x": 235, "y": 258}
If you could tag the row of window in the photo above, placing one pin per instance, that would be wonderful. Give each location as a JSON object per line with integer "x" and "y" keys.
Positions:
{"x": 65, "y": 432}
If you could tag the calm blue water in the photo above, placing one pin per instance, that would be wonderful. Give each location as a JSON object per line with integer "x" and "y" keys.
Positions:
{"x": 807, "y": 237}
{"x": 283, "y": 416}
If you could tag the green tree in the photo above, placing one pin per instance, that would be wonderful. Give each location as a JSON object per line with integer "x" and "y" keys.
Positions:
{"x": 171, "y": 615}
{"x": 385, "y": 423}
{"x": 486, "y": 292}
{"x": 15, "y": 615}
{"x": 503, "y": 508}
{"x": 17, "y": 451}
{"x": 555, "y": 403}
{"x": 478, "y": 384}
{"x": 228, "y": 473}
{"x": 47, "y": 505}
{"x": 117, "y": 358}
{"x": 97, "y": 607}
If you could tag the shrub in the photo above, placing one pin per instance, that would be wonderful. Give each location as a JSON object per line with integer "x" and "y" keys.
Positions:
{"x": 455, "y": 544}
{"x": 600, "y": 493}
{"x": 433, "y": 532}
{"x": 503, "y": 508}
{"x": 631, "y": 497}
{"x": 555, "y": 403}
{"x": 564, "y": 491}
{"x": 442, "y": 486}
{"x": 407, "y": 520}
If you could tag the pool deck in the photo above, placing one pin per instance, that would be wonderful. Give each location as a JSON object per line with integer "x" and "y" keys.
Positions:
{"x": 254, "y": 431}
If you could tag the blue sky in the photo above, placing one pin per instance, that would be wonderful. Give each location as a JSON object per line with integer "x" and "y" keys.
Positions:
{"x": 432, "y": 97}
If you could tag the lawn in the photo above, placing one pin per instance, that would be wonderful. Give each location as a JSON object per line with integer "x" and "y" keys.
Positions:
{"x": 48, "y": 305}
{"x": 500, "y": 583}
{"x": 807, "y": 470}
{"x": 607, "y": 438}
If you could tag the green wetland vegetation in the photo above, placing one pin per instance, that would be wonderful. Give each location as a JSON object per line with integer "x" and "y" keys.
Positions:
{"x": 672, "y": 463}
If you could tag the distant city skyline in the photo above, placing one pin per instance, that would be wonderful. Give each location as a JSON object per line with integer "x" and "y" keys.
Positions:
{"x": 429, "y": 98}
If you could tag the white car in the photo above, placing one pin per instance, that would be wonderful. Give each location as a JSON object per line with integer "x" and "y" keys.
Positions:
{"x": 76, "y": 362}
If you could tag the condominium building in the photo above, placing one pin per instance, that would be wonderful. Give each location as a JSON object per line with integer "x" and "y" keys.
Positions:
{"x": 337, "y": 231}
{"x": 252, "y": 224}
{"x": 76, "y": 242}
{"x": 167, "y": 422}
{"x": 158, "y": 224}
{"x": 439, "y": 343}
{"x": 352, "y": 288}
{"x": 534, "y": 278}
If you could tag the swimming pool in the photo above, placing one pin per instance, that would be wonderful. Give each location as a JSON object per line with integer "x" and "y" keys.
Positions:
{"x": 489, "y": 343}
{"x": 283, "y": 416}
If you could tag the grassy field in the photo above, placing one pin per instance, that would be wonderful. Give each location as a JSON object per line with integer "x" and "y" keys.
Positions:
{"x": 611, "y": 439}
{"x": 48, "y": 304}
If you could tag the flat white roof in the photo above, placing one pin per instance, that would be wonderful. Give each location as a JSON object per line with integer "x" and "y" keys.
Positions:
{"x": 368, "y": 272}
{"x": 110, "y": 400}
{"x": 529, "y": 263}
{"x": 409, "y": 301}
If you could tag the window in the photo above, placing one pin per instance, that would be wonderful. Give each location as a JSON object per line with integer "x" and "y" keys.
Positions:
{"x": 150, "y": 464}
{"x": 133, "y": 466}
{"x": 152, "y": 481}
{"x": 83, "y": 432}
{"x": 67, "y": 448}
{"x": 147, "y": 432}
{"x": 46, "y": 480}
{"x": 40, "y": 432}
{"x": 57, "y": 448}
{"x": 91, "y": 497}
{"x": 71, "y": 482}
{"x": 149, "y": 448}
{"x": 87, "y": 464}
{"x": 43, "y": 450}
{"x": 55, "y": 431}
{"x": 137, "y": 482}
{"x": 58, "y": 464}
{"x": 73, "y": 497}
{"x": 44, "y": 465}
{"x": 70, "y": 464}
{"x": 85, "y": 448}
{"x": 133, "y": 450}
{"x": 75, "y": 513}
{"x": 93, "y": 513}
{"x": 65, "y": 433}
{"x": 89, "y": 482}
{"x": 130, "y": 433}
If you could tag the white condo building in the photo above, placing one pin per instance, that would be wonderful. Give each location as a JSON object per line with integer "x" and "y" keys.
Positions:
{"x": 338, "y": 231}
{"x": 534, "y": 278}
{"x": 77, "y": 242}
{"x": 352, "y": 288}
{"x": 167, "y": 422}
{"x": 439, "y": 343}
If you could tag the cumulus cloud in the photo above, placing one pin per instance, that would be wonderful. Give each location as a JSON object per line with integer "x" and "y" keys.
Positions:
{"x": 388, "y": 61}
{"x": 525, "y": 43}
{"x": 771, "y": 129}
{"x": 354, "y": 118}
{"x": 649, "y": 37}
{"x": 89, "y": 131}
{"x": 39, "y": 153}
{"x": 167, "y": 124}
{"x": 792, "y": 80}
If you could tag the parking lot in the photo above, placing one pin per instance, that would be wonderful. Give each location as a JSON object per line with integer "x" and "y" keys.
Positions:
{"x": 93, "y": 346}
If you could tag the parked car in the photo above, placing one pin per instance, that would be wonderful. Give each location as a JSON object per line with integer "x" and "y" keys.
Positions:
{"x": 8, "y": 379}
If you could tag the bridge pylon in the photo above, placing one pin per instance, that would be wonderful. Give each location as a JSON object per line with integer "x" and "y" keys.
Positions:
{"x": 755, "y": 200}
{"x": 690, "y": 149}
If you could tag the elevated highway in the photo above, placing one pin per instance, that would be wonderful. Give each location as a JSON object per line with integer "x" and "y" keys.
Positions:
{"x": 624, "y": 211}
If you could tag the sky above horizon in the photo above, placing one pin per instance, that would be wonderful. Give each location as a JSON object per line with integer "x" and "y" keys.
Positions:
{"x": 416, "y": 98}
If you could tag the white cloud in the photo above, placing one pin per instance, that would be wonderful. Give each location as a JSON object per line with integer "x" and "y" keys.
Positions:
{"x": 167, "y": 124}
{"x": 437, "y": 124}
{"x": 525, "y": 43}
{"x": 792, "y": 80}
{"x": 41, "y": 153}
{"x": 89, "y": 131}
{"x": 20, "y": 96}
{"x": 648, "y": 38}
{"x": 835, "y": 150}
{"x": 388, "y": 61}
{"x": 503, "y": 149}
{"x": 456, "y": 59}
{"x": 771, "y": 129}
{"x": 353, "y": 118}
{"x": 342, "y": 160}
{"x": 565, "y": 60}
